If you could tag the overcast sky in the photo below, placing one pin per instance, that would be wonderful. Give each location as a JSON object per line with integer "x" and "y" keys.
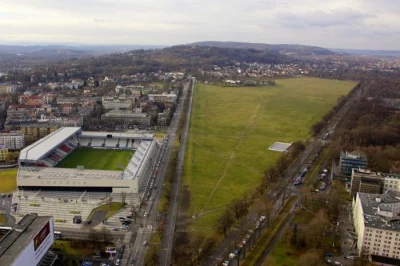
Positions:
{"x": 359, "y": 24}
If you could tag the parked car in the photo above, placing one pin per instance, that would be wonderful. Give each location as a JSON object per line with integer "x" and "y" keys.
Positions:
{"x": 117, "y": 262}
{"x": 232, "y": 255}
{"x": 145, "y": 243}
{"x": 145, "y": 214}
{"x": 115, "y": 229}
{"x": 226, "y": 263}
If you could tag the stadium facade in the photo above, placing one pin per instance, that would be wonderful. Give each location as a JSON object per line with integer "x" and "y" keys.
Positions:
{"x": 38, "y": 162}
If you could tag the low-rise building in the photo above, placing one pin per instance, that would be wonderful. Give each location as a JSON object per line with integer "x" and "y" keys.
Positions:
{"x": 117, "y": 103}
{"x": 376, "y": 224}
{"x": 13, "y": 141}
{"x": 28, "y": 243}
{"x": 127, "y": 117}
{"x": 163, "y": 98}
{"x": 366, "y": 181}
{"x": 350, "y": 160}
{"x": 3, "y": 153}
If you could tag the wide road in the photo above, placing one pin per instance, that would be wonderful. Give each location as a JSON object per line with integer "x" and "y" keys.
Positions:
{"x": 222, "y": 251}
{"x": 139, "y": 249}
{"x": 170, "y": 219}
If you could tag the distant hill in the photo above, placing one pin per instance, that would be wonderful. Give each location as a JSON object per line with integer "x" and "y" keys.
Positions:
{"x": 285, "y": 49}
{"x": 386, "y": 53}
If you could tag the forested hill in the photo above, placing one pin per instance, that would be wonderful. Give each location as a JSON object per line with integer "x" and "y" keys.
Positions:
{"x": 177, "y": 58}
{"x": 285, "y": 49}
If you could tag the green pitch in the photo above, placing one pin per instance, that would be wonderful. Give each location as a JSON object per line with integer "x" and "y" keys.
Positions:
{"x": 99, "y": 159}
{"x": 231, "y": 129}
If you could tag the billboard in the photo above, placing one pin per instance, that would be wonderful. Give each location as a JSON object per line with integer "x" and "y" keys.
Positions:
{"x": 37, "y": 248}
{"x": 41, "y": 236}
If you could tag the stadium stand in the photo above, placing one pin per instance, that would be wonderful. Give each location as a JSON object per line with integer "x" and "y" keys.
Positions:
{"x": 48, "y": 189}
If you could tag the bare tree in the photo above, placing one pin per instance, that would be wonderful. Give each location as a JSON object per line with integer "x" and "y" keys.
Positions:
{"x": 267, "y": 209}
{"x": 123, "y": 197}
{"x": 134, "y": 211}
{"x": 105, "y": 235}
{"x": 93, "y": 236}
{"x": 224, "y": 222}
{"x": 311, "y": 258}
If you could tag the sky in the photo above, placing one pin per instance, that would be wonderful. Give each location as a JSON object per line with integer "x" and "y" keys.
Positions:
{"x": 351, "y": 24}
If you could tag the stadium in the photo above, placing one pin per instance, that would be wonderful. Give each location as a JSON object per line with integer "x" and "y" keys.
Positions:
{"x": 70, "y": 172}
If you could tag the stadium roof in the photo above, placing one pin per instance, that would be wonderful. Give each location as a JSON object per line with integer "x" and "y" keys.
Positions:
{"x": 41, "y": 147}
{"x": 92, "y": 134}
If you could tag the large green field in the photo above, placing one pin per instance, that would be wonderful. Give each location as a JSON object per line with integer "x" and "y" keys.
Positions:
{"x": 100, "y": 159}
{"x": 231, "y": 129}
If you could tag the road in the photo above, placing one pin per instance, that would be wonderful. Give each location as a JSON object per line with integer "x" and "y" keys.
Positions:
{"x": 139, "y": 249}
{"x": 224, "y": 248}
{"x": 170, "y": 219}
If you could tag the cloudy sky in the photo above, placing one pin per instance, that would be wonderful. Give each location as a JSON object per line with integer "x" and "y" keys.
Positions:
{"x": 359, "y": 24}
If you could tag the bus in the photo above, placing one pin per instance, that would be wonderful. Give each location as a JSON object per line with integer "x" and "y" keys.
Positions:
{"x": 57, "y": 234}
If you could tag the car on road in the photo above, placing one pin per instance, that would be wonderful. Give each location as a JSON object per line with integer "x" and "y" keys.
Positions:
{"x": 117, "y": 262}
{"x": 132, "y": 261}
{"x": 337, "y": 263}
{"x": 145, "y": 243}
{"x": 350, "y": 257}
{"x": 89, "y": 222}
{"x": 145, "y": 214}
{"x": 226, "y": 263}
{"x": 115, "y": 229}
{"x": 232, "y": 255}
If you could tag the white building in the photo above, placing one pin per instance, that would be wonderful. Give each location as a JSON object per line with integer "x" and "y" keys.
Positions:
{"x": 376, "y": 221}
{"x": 13, "y": 141}
{"x": 163, "y": 98}
{"x": 116, "y": 103}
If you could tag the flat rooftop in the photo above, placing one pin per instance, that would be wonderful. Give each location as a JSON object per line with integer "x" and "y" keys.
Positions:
{"x": 126, "y": 135}
{"x": 18, "y": 238}
{"x": 370, "y": 209}
{"x": 280, "y": 146}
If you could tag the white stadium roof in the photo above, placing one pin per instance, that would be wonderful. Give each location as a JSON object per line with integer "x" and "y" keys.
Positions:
{"x": 41, "y": 147}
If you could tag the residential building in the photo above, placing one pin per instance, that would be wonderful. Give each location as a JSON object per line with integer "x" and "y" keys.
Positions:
{"x": 117, "y": 103}
{"x": 127, "y": 117}
{"x": 28, "y": 243}
{"x": 3, "y": 153}
{"x": 5, "y": 87}
{"x": 163, "y": 98}
{"x": 34, "y": 129}
{"x": 12, "y": 141}
{"x": 107, "y": 82}
{"x": 90, "y": 82}
{"x": 375, "y": 218}
{"x": 350, "y": 160}
{"x": 366, "y": 181}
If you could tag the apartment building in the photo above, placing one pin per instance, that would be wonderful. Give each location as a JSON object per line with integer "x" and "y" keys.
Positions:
{"x": 127, "y": 117}
{"x": 376, "y": 222}
{"x": 12, "y": 141}
{"x": 163, "y": 98}
{"x": 3, "y": 153}
{"x": 117, "y": 103}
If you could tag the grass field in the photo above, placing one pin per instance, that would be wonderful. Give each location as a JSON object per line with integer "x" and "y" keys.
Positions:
{"x": 8, "y": 180}
{"x": 99, "y": 159}
{"x": 231, "y": 129}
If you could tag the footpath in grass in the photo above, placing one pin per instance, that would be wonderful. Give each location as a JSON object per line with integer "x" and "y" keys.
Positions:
{"x": 100, "y": 159}
{"x": 268, "y": 234}
{"x": 231, "y": 129}
{"x": 8, "y": 180}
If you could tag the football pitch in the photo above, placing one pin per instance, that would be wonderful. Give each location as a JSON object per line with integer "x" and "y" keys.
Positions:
{"x": 231, "y": 129}
{"x": 100, "y": 159}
